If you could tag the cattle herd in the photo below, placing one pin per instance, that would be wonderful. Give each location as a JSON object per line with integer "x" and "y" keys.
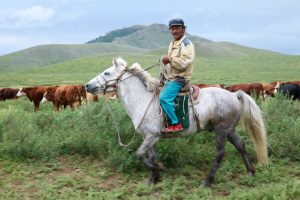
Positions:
{"x": 69, "y": 95}
{"x": 60, "y": 96}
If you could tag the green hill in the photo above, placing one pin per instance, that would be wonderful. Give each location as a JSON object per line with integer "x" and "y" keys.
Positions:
{"x": 146, "y": 37}
{"x": 110, "y": 36}
{"x": 136, "y": 39}
{"x": 44, "y": 55}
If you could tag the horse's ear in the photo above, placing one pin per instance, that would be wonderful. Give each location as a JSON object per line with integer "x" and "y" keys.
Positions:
{"x": 115, "y": 62}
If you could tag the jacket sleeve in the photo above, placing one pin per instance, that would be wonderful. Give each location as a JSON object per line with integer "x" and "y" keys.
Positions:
{"x": 185, "y": 58}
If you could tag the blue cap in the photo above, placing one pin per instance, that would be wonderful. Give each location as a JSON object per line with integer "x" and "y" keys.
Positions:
{"x": 176, "y": 22}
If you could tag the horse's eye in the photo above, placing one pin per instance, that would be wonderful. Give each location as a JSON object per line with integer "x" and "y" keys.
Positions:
{"x": 106, "y": 73}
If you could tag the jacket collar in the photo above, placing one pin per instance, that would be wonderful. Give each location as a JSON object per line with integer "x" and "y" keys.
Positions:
{"x": 180, "y": 41}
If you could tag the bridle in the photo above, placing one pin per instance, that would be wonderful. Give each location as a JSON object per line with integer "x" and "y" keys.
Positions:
{"x": 117, "y": 80}
{"x": 115, "y": 83}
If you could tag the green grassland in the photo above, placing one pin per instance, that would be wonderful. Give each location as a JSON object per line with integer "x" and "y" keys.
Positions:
{"x": 75, "y": 155}
{"x": 227, "y": 70}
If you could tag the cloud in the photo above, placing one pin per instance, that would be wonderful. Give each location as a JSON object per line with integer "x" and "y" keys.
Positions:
{"x": 25, "y": 18}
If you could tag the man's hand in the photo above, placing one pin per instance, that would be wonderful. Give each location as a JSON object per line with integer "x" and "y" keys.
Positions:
{"x": 166, "y": 60}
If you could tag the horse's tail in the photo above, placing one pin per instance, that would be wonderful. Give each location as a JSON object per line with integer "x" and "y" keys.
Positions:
{"x": 253, "y": 122}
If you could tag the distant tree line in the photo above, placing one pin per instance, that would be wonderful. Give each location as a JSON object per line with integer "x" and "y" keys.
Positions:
{"x": 110, "y": 36}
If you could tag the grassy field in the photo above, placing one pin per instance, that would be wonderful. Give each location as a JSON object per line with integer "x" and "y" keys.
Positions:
{"x": 47, "y": 155}
{"x": 245, "y": 69}
{"x": 75, "y": 155}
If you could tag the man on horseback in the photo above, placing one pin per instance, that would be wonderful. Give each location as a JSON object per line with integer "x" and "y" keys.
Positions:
{"x": 179, "y": 64}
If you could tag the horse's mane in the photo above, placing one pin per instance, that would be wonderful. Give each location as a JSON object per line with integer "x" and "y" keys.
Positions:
{"x": 150, "y": 82}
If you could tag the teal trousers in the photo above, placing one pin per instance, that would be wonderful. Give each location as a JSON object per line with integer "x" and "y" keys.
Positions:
{"x": 167, "y": 97}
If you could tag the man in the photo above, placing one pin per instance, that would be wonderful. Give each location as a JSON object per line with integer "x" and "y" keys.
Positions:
{"x": 179, "y": 64}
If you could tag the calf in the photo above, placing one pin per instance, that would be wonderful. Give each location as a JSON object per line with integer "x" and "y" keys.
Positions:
{"x": 269, "y": 89}
{"x": 34, "y": 94}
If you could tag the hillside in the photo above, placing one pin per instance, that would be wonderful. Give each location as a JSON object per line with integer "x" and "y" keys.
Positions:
{"x": 44, "y": 55}
{"x": 256, "y": 67}
{"x": 135, "y": 39}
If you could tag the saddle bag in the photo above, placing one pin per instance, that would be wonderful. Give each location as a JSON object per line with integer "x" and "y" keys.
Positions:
{"x": 181, "y": 110}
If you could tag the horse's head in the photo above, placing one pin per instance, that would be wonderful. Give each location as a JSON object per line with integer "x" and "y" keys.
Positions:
{"x": 108, "y": 78}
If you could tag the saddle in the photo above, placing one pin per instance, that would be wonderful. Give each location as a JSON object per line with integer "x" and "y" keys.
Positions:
{"x": 185, "y": 98}
{"x": 193, "y": 90}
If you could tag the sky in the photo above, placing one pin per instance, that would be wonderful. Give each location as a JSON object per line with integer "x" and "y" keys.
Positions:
{"x": 265, "y": 24}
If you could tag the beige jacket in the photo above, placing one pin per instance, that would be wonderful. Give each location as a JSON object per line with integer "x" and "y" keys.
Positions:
{"x": 182, "y": 56}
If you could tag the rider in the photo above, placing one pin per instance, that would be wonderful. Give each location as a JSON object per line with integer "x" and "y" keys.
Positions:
{"x": 179, "y": 64}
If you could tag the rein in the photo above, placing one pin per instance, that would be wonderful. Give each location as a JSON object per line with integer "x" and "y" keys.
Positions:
{"x": 119, "y": 78}
{"x": 114, "y": 85}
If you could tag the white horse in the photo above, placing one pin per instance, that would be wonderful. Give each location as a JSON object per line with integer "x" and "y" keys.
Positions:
{"x": 217, "y": 109}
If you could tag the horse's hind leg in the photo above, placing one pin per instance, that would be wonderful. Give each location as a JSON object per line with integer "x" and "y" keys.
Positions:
{"x": 220, "y": 151}
{"x": 240, "y": 146}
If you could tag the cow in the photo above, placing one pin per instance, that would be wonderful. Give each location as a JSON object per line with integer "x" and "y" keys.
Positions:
{"x": 82, "y": 92}
{"x": 202, "y": 85}
{"x": 34, "y": 94}
{"x": 250, "y": 89}
{"x": 292, "y": 82}
{"x": 291, "y": 91}
{"x": 107, "y": 96}
{"x": 269, "y": 89}
{"x": 63, "y": 96}
{"x": 91, "y": 97}
{"x": 8, "y": 93}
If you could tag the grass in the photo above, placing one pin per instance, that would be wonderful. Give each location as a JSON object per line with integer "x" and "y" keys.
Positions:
{"x": 48, "y": 155}
{"x": 79, "y": 177}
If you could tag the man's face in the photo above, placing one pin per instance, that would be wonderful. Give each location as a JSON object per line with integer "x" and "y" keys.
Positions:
{"x": 177, "y": 32}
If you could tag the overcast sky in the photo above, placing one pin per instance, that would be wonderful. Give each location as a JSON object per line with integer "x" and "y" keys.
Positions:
{"x": 266, "y": 24}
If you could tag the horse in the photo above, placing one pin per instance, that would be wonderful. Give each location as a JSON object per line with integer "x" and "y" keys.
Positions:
{"x": 217, "y": 109}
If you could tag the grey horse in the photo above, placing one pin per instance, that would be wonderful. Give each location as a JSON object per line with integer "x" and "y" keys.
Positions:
{"x": 217, "y": 109}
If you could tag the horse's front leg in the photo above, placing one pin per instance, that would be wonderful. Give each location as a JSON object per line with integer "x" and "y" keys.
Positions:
{"x": 155, "y": 175}
{"x": 148, "y": 146}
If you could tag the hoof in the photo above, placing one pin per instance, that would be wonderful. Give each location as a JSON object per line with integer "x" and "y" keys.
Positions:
{"x": 204, "y": 184}
{"x": 152, "y": 181}
{"x": 251, "y": 174}
{"x": 159, "y": 166}
{"x": 149, "y": 182}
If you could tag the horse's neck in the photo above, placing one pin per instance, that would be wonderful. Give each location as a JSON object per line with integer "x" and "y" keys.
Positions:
{"x": 135, "y": 98}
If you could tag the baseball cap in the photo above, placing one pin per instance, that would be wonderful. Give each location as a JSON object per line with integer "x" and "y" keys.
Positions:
{"x": 176, "y": 22}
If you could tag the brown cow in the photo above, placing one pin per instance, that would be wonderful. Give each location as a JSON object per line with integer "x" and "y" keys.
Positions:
{"x": 269, "y": 89}
{"x": 63, "y": 96}
{"x": 8, "y": 93}
{"x": 34, "y": 94}
{"x": 293, "y": 82}
{"x": 107, "y": 96}
{"x": 203, "y": 85}
{"x": 250, "y": 89}
{"x": 91, "y": 97}
{"x": 82, "y": 92}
